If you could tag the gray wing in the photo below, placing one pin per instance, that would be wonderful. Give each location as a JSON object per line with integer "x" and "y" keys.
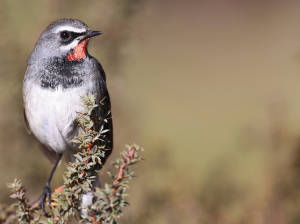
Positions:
{"x": 106, "y": 107}
{"x": 29, "y": 70}
{"x": 26, "y": 124}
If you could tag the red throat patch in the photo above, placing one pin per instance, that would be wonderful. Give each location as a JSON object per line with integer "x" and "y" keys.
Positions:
{"x": 79, "y": 52}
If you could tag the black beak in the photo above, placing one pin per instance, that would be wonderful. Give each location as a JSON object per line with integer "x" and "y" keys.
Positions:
{"x": 90, "y": 34}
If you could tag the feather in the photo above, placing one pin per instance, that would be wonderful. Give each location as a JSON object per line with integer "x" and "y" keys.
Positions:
{"x": 48, "y": 153}
{"x": 26, "y": 124}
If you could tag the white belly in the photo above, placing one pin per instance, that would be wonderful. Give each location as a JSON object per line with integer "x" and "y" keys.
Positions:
{"x": 51, "y": 115}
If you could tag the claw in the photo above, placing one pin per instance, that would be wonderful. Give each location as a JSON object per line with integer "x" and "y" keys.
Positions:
{"x": 46, "y": 194}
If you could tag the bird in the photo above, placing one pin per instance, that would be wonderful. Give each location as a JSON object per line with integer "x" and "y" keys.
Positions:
{"x": 59, "y": 72}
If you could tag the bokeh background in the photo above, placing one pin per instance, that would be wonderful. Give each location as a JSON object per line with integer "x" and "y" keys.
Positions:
{"x": 210, "y": 89}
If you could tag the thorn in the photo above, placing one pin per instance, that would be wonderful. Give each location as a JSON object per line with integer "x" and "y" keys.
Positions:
{"x": 102, "y": 99}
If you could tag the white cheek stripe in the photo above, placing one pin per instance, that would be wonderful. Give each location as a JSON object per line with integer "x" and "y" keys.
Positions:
{"x": 70, "y": 46}
{"x": 69, "y": 28}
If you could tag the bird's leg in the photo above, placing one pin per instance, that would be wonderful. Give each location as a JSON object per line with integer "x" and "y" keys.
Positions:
{"x": 47, "y": 191}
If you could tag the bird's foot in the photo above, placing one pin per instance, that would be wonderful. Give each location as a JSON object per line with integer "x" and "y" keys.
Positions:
{"x": 45, "y": 195}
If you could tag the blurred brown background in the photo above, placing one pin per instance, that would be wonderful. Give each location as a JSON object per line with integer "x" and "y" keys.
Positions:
{"x": 211, "y": 90}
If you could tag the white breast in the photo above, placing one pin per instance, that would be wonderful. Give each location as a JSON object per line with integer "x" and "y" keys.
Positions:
{"x": 51, "y": 115}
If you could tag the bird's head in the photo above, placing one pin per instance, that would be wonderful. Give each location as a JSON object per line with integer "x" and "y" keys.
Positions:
{"x": 64, "y": 38}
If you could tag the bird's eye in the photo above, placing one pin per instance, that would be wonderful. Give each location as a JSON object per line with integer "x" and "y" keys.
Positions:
{"x": 64, "y": 35}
